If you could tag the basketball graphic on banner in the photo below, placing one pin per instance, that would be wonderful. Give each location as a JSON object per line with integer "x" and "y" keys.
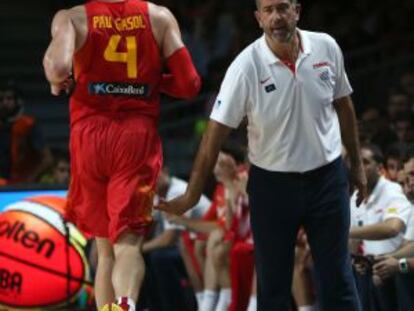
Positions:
{"x": 42, "y": 258}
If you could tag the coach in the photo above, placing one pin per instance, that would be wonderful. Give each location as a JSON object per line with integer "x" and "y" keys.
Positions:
{"x": 292, "y": 86}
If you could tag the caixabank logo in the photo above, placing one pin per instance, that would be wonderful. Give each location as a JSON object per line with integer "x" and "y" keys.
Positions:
{"x": 118, "y": 89}
{"x": 42, "y": 258}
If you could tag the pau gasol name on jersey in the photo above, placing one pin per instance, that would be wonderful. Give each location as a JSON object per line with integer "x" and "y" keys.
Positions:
{"x": 118, "y": 89}
{"x": 121, "y": 24}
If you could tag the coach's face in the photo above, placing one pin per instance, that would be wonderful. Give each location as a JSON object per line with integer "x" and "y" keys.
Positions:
{"x": 278, "y": 18}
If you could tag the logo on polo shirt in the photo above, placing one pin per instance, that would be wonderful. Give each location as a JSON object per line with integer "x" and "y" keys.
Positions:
{"x": 319, "y": 65}
{"x": 392, "y": 210}
{"x": 324, "y": 76}
{"x": 217, "y": 104}
{"x": 270, "y": 88}
{"x": 264, "y": 81}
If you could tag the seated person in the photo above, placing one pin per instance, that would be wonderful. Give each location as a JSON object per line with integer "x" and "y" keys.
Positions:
{"x": 23, "y": 153}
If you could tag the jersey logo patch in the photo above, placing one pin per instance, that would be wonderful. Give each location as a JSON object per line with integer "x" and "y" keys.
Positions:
{"x": 118, "y": 89}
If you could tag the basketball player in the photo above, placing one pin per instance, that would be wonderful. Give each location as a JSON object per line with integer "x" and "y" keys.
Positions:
{"x": 117, "y": 49}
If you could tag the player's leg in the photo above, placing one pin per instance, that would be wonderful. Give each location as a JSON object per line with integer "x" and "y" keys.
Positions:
{"x": 200, "y": 252}
{"x": 221, "y": 256}
{"x": 192, "y": 267}
{"x": 302, "y": 286}
{"x": 104, "y": 291}
{"x": 136, "y": 159}
{"x": 253, "y": 295}
{"x": 211, "y": 284}
{"x": 87, "y": 200}
{"x": 129, "y": 268}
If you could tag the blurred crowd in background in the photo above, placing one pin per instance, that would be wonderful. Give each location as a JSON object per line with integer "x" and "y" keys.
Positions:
{"x": 377, "y": 39}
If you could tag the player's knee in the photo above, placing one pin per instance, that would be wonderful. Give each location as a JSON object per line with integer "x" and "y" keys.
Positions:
{"x": 128, "y": 244}
{"x": 220, "y": 255}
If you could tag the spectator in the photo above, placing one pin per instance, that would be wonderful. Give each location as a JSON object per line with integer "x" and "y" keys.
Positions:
{"x": 376, "y": 128}
{"x": 379, "y": 223}
{"x": 399, "y": 265}
{"x": 392, "y": 163}
{"x": 407, "y": 84}
{"x": 59, "y": 174}
{"x": 398, "y": 103}
{"x": 403, "y": 127}
{"x": 23, "y": 153}
{"x": 409, "y": 175}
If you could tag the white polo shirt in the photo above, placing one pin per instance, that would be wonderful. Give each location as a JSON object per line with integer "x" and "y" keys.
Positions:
{"x": 409, "y": 233}
{"x": 386, "y": 201}
{"x": 292, "y": 124}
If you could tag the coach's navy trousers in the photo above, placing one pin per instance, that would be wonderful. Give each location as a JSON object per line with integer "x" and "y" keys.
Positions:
{"x": 318, "y": 200}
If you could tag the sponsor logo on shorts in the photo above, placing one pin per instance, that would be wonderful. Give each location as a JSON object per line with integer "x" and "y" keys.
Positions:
{"x": 118, "y": 89}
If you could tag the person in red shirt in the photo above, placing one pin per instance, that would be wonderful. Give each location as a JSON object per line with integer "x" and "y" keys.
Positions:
{"x": 117, "y": 49}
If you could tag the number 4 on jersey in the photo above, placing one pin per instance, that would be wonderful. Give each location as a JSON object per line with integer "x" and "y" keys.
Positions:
{"x": 129, "y": 57}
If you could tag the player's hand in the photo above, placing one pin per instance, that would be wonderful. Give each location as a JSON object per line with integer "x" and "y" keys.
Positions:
{"x": 65, "y": 86}
{"x": 359, "y": 182}
{"x": 176, "y": 206}
{"x": 386, "y": 266}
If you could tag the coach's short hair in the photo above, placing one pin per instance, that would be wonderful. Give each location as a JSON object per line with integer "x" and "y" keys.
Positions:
{"x": 258, "y": 2}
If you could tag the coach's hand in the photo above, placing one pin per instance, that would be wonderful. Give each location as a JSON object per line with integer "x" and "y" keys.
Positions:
{"x": 177, "y": 206}
{"x": 359, "y": 183}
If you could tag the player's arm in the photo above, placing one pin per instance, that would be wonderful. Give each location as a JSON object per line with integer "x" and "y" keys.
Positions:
{"x": 380, "y": 231}
{"x": 406, "y": 250}
{"x": 182, "y": 81}
{"x": 57, "y": 61}
{"x": 349, "y": 132}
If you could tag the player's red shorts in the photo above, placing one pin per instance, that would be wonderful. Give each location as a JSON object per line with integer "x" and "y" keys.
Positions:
{"x": 115, "y": 161}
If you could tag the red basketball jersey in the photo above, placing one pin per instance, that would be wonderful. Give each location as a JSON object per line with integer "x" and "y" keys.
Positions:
{"x": 119, "y": 67}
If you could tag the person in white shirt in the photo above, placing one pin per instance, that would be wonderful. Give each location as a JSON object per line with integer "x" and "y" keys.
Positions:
{"x": 292, "y": 86}
{"x": 400, "y": 263}
{"x": 380, "y": 224}
{"x": 402, "y": 260}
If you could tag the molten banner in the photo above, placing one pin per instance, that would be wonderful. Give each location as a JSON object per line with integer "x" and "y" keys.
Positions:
{"x": 42, "y": 260}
